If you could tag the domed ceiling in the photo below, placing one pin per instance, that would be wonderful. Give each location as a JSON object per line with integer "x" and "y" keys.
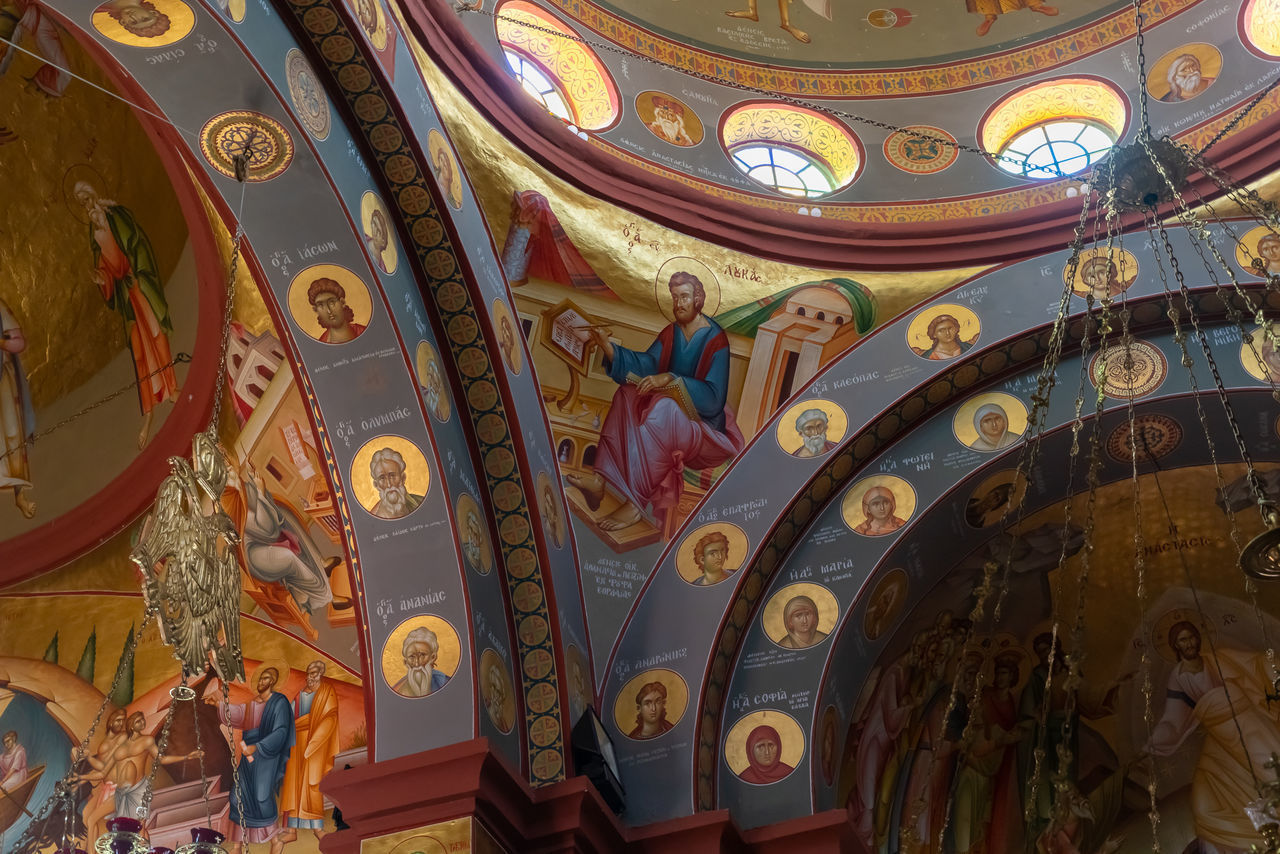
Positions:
{"x": 417, "y": 427}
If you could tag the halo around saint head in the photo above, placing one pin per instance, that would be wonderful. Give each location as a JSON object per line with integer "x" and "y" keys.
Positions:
{"x": 919, "y": 340}
{"x": 448, "y": 655}
{"x": 993, "y": 499}
{"x": 685, "y": 264}
{"x": 355, "y": 294}
{"x": 624, "y": 706}
{"x": 437, "y": 147}
{"x": 489, "y": 661}
{"x": 788, "y": 434}
{"x": 887, "y": 601}
{"x": 904, "y": 499}
{"x": 1090, "y": 261}
{"x": 144, "y": 23}
{"x": 790, "y": 733}
{"x": 467, "y": 506}
{"x": 1208, "y": 57}
{"x": 771, "y": 619}
{"x": 739, "y": 545}
{"x": 417, "y": 474}
{"x": 514, "y": 360}
{"x": 1015, "y": 414}
{"x": 388, "y": 258}
{"x": 1251, "y": 246}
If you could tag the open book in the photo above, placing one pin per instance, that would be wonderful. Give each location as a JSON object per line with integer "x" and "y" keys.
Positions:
{"x": 674, "y": 390}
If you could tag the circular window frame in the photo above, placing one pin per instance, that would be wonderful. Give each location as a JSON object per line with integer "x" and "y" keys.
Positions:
{"x": 555, "y": 82}
{"x": 546, "y": 19}
{"x": 1077, "y": 115}
{"x": 1243, "y": 19}
{"x": 859, "y": 151}
{"x": 1082, "y": 120}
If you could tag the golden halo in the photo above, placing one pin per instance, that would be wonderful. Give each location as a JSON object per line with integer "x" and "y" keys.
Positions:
{"x": 420, "y": 844}
{"x": 76, "y": 173}
{"x": 624, "y": 706}
{"x": 1005, "y": 644}
{"x": 425, "y": 355}
{"x": 417, "y": 474}
{"x": 692, "y": 124}
{"x": 1126, "y": 270}
{"x": 450, "y": 652}
{"x": 1209, "y": 57}
{"x": 904, "y": 499}
{"x": 182, "y": 19}
{"x": 358, "y": 299}
{"x": 388, "y": 259}
{"x": 1247, "y": 248}
{"x": 468, "y": 504}
{"x": 515, "y": 361}
{"x": 828, "y": 610}
{"x": 789, "y": 731}
{"x": 435, "y": 144}
{"x": 1166, "y": 621}
{"x": 739, "y": 545}
{"x": 559, "y": 534}
{"x": 683, "y": 263}
{"x": 490, "y": 659}
{"x": 1015, "y": 413}
{"x": 918, "y": 330}
{"x": 236, "y": 10}
{"x": 789, "y": 437}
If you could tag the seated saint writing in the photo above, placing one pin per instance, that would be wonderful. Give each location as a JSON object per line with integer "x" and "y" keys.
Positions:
{"x": 648, "y": 438}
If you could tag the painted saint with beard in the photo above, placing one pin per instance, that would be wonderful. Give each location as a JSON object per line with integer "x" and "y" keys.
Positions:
{"x": 812, "y": 427}
{"x": 387, "y": 468}
{"x": 648, "y": 438}
{"x": 421, "y": 649}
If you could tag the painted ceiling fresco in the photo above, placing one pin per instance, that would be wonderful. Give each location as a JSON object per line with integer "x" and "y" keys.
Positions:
{"x": 99, "y": 287}
{"x": 503, "y": 449}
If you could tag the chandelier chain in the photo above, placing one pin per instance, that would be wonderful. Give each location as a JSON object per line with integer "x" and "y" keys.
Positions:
{"x": 162, "y": 748}
{"x": 204, "y": 777}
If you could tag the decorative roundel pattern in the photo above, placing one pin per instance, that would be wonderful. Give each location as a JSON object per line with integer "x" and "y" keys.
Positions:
{"x": 921, "y": 155}
{"x": 1158, "y": 435}
{"x": 307, "y": 95}
{"x": 1121, "y": 378}
{"x": 226, "y": 135}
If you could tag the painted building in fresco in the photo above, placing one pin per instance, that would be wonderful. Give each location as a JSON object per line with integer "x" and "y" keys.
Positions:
{"x": 641, "y": 375}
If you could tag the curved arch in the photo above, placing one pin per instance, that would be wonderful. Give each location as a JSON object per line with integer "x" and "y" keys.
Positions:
{"x": 827, "y": 145}
{"x": 572, "y": 67}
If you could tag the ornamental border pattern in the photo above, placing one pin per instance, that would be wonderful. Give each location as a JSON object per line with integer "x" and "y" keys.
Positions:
{"x": 870, "y": 83}
{"x": 350, "y": 70}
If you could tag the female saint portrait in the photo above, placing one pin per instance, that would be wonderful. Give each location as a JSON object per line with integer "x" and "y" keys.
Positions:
{"x": 878, "y": 505}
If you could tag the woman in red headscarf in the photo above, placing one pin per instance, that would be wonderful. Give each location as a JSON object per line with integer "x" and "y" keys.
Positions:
{"x": 764, "y": 757}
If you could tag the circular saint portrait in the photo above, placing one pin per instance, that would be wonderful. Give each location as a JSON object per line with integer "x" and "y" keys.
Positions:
{"x": 1101, "y": 274}
{"x": 373, "y": 20}
{"x": 990, "y": 422}
{"x": 445, "y": 167}
{"x": 1259, "y": 354}
{"x": 144, "y": 23}
{"x": 991, "y": 502}
{"x": 888, "y": 598}
{"x": 228, "y": 135}
{"x": 1007, "y": 664}
{"x": 812, "y": 428}
{"x": 504, "y": 329}
{"x": 1259, "y": 251}
{"x": 800, "y": 615}
{"x": 390, "y": 477}
{"x": 422, "y": 844}
{"x": 1184, "y": 72}
{"x": 420, "y": 656}
{"x": 307, "y": 94}
{"x": 1158, "y": 436}
{"x": 651, "y": 704}
{"x": 764, "y": 747}
{"x": 921, "y": 149}
{"x": 553, "y": 521}
{"x": 330, "y": 303}
{"x": 827, "y": 745}
{"x": 431, "y": 381}
{"x": 669, "y": 119}
{"x": 711, "y": 553}
{"x": 878, "y": 505}
{"x": 496, "y": 692}
{"x": 685, "y": 287}
{"x": 375, "y": 225}
{"x": 579, "y": 683}
{"x": 942, "y": 332}
{"x": 1181, "y": 633}
{"x": 1146, "y": 370}
{"x": 476, "y": 552}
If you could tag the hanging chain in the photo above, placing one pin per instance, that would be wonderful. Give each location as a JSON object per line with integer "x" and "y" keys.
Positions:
{"x": 179, "y": 359}
{"x": 241, "y": 162}
{"x": 204, "y": 777}
{"x": 162, "y": 747}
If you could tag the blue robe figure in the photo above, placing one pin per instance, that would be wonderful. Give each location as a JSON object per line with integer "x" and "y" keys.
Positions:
{"x": 267, "y": 734}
